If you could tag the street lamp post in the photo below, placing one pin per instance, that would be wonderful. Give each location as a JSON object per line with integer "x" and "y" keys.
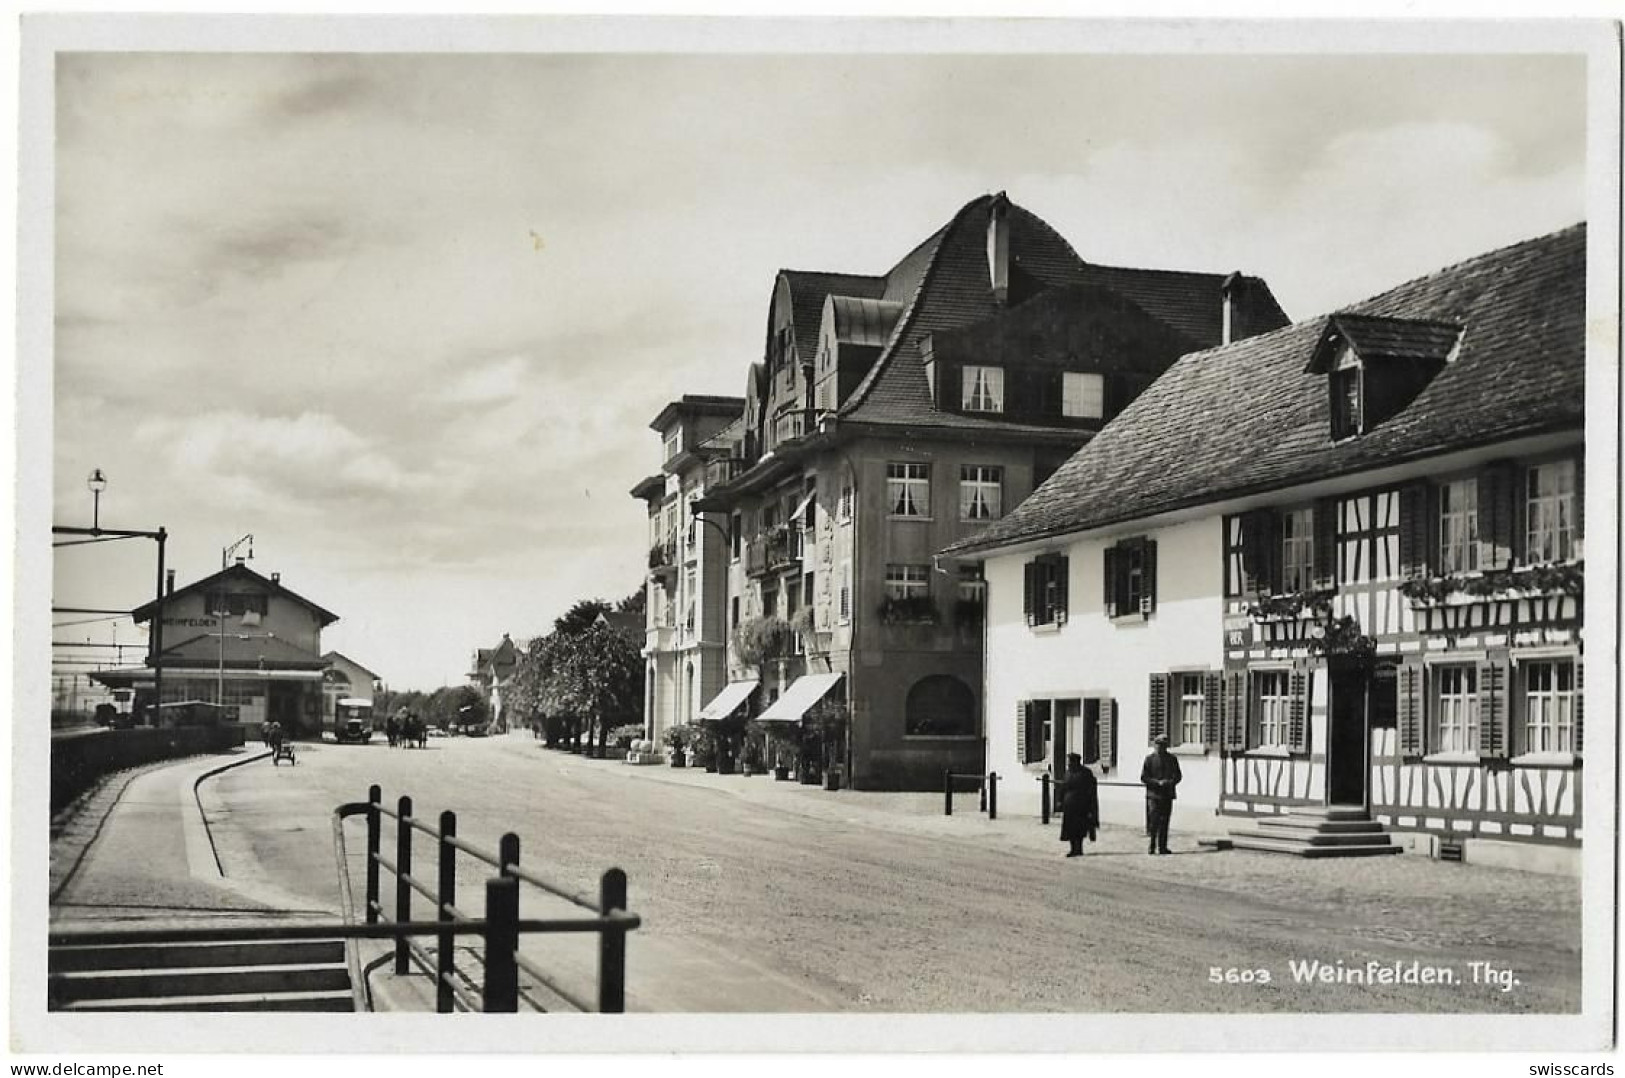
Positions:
{"x": 97, "y": 482}
{"x": 220, "y": 671}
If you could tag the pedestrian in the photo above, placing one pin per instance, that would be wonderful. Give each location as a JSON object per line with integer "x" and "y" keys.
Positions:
{"x": 1080, "y": 805}
{"x": 1160, "y": 776}
{"x": 392, "y": 729}
{"x": 273, "y": 736}
{"x": 420, "y": 731}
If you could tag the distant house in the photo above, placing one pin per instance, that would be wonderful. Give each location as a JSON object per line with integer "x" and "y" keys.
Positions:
{"x": 1339, "y": 564}
{"x": 630, "y": 625}
{"x": 238, "y": 639}
{"x": 492, "y": 668}
{"x": 345, "y": 679}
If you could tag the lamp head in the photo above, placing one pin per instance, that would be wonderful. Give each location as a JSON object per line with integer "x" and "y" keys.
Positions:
{"x": 97, "y": 482}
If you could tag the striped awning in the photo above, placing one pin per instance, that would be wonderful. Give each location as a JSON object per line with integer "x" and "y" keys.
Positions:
{"x": 802, "y": 694}
{"x": 725, "y": 702}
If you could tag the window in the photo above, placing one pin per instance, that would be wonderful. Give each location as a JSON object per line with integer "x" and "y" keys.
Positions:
{"x": 1045, "y": 598}
{"x": 733, "y": 614}
{"x": 1458, "y": 526}
{"x": 1455, "y": 701}
{"x": 770, "y": 602}
{"x": 693, "y": 521}
{"x": 807, "y": 589}
{"x": 1192, "y": 709}
{"x": 1548, "y": 699}
{"x": 908, "y": 490}
{"x": 1130, "y": 578}
{"x": 674, "y": 439}
{"x": 1550, "y": 512}
{"x": 1346, "y": 410}
{"x": 844, "y": 507}
{"x": 232, "y": 603}
{"x": 846, "y": 592}
{"x": 972, "y": 587}
{"x": 1297, "y": 549}
{"x": 980, "y": 496}
{"x": 908, "y": 581}
{"x": 691, "y": 590}
{"x": 736, "y": 527}
{"x": 1235, "y": 567}
{"x": 1273, "y": 705}
{"x": 983, "y": 389}
{"x": 1083, "y": 396}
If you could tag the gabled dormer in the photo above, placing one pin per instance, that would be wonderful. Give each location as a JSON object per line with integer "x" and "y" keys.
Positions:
{"x": 1375, "y": 366}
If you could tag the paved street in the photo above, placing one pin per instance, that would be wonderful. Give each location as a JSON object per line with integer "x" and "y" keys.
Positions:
{"x": 764, "y": 896}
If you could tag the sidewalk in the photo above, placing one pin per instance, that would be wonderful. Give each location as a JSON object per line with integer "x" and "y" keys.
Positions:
{"x": 136, "y": 853}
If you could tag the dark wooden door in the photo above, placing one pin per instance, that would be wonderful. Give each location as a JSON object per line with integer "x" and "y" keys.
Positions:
{"x": 1347, "y": 737}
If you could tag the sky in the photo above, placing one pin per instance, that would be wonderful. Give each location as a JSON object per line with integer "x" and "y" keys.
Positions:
{"x": 405, "y": 318}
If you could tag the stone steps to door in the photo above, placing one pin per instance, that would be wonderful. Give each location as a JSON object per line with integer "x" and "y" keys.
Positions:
{"x": 1317, "y": 831}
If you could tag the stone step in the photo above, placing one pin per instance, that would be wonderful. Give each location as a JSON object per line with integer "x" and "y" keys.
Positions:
{"x": 1268, "y": 844}
{"x": 75, "y": 959}
{"x": 264, "y": 1001}
{"x": 1316, "y": 838}
{"x": 70, "y": 987}
{"x": 1330, "y": 812}
{"x": 1312, "y": 824}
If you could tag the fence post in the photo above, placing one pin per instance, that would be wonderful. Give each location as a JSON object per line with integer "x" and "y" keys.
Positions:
{"x": 507, "y": 853}
{"x": 501, "y": 940}
{"x": 447, "y": 895}
{"x": 612, "y": 945}
{"x": 981, "y": 800}
{"x": 375, "y": 797}
{"x": 403, "y": 869}
{"x": 948, "y": 792}
{"x": 1043, "y": 798}
{"x": 992, "y": 795}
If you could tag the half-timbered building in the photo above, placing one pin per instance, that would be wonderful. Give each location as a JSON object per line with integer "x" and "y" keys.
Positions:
{"x": 1339, "y": 565}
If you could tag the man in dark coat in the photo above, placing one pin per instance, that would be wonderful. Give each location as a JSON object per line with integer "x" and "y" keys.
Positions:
{"x": 1160, "y": 775}
{"x": 1080, "y": 805}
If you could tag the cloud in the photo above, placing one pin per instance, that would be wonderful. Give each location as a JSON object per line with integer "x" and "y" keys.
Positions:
{"x": 498, "y": 380}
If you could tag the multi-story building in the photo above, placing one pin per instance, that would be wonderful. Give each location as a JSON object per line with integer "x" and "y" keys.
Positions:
{"x": 240, "y": 640}
{"x": 892, "y": 415}
{"x": 685, "y": 644}
{"x": 490, "y": 675}
{"x": 1338, "y": 565}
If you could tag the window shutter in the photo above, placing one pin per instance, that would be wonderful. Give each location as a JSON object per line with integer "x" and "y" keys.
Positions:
{"x": 1579, "y": 706}
{"x": 1212, "y": 693}
{"x": 1063, "y": 588}
{"x": 1492, "y": 710}
{"x": 1157, "y": 719}
{"x": 1579, "y": 506}
{"x": 1298, "y": 715}
{"x": 1023, "y": 718}
{"x": 1325, "y": 553}
{"x": 1254, "y": 552}
{"x": 1148, "y": 604}
{"x": 1109, "y": 577}
{"x": 1414, "y": 528}
{"x": 1274, "y": 556}
{"x": 1108, "y": 733}
{"x": 1029, "y": 575}
{"x": 1235, "y": 711}
{"x": 1495, "y": 516}
{"x": 1412, "y": 713}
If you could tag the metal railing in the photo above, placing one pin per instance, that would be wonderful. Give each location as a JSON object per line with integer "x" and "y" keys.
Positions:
{"x": 988, "y": 785}
{"x": 501, "y": 928}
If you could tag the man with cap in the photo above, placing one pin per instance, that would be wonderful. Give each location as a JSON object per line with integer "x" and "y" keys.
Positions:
{"x": 1080, "y": 805}
{"x": 1159, "y": 775}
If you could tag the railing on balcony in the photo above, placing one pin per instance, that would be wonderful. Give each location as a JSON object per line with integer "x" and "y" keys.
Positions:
{"x": 663, "y": 555}
{"x": 724, "y": 470}
{"x": 790, "y": 425}
{"x": 773, "y": 551}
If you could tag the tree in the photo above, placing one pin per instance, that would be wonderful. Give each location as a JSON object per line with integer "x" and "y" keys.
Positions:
{"x": 636, "y": 603}
{"x": 580, "y": 617}
{"x": 593, "y": 679}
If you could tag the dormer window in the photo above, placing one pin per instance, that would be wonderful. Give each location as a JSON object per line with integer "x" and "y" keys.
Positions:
{"x": 1376, "y": 366}
{"x": 983, "y": 389}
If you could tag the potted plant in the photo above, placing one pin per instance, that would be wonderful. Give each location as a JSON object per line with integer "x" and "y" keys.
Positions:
{"x": 829, "y": 718}
{"x": 677, "y": 740}
{"x": 783, "y": 746}
{"x": 703, "y": 747}
{"x": 752, "y": 758}
{"x": 760, "y": 639}
{"x": 908, "y": 610}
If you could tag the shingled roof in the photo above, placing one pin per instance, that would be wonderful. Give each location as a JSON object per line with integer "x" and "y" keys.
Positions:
{"x": 1250, "y": 418}
{"x": 944, "y": 285}
{"x": 807, "y": 291}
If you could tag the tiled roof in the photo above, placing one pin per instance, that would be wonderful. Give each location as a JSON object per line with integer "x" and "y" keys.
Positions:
{"x": 236, "y": 572}
{"x": 1248, "y": 418}
{"x": 807, "y": 291}
{"x": 241, "y": 649}
{"x": 944, "y": 284}
{"x": 1396, "y": 338}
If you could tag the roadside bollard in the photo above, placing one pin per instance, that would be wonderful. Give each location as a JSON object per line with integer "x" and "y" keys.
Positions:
{"x": 1043, "y": 799}
{"x": 612, "y": 945}
{"x": 501, "y": 941}
{"x": 447, "y": 898}
{"x": 948, "y": 793}
{"x": 981, "y": 800}
{"x": 992, "y": 795}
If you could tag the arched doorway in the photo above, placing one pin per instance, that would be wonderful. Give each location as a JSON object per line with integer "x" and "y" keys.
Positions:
{"x": 940, "y": 706}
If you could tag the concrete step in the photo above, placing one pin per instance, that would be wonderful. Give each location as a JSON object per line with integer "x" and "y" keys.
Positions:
{"x": 1331, "y": 812}
{"x": 206, "y": 981}
{"x": 1316, "y": 838}
{"x": 265, "y": 1001}
{"x": 196, "y": 955}
{"x": 1312, "y": 824}
{"x": 1267, "y": 844}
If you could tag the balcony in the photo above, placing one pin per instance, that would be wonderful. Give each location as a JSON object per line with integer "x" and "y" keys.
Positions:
{"x": 773, "y": 551}
{"x": 790, "y": 426}
{"x": 725, "y": 470}
{"x": 659, "y": 638}
{"x": 663, "y": 556}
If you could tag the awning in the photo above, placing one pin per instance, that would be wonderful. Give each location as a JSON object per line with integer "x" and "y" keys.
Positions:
{"x": 802, "y": 694}
{"x": 723, "y": 703}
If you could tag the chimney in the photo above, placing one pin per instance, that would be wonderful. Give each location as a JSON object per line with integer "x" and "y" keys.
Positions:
{"x": 998, "y": 248}
{"x": 1229, "y": 289}
{"x": 276, "y": 578}
{"x": 169, "y": 582}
